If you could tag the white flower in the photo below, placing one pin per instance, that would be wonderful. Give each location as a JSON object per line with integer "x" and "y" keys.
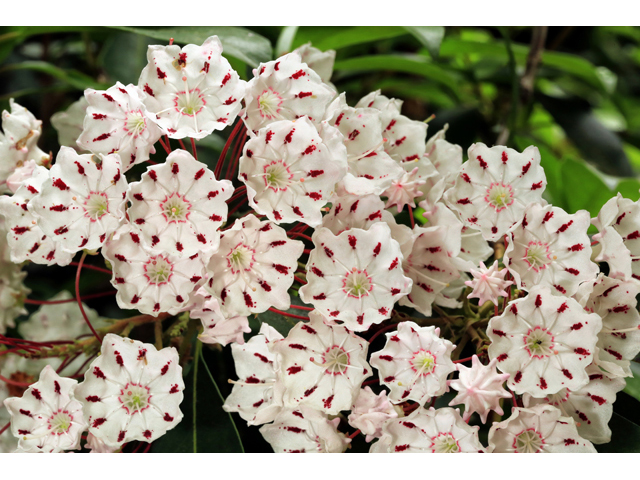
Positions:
{"x": 551, "y": 248}
{"x": 430, "y": 261}
{"x": 355, "y": 277}
{"x": 488, "y": 283}
{"x": 117, "y": 121}
{"x": 131, "y": 391}
{"x": 590, "y": 406}
{"x": 61, "y": 321}
{"x": 304, "y": 430}
{"x": 257, "y": 395}
{"x": 414, "y": 363}
{"x": 494, "y": 187}
{"x": 429, "y": 431}
{"x": 291, "y": 169}
{"x": 218, "y": 328}
{"x": 69, "y": 123}
{"x": 322, "y": 366}
{"x": 178, "y": 206}
{"x": 192, "y": 91}
{"x": 18, "y": 144}
{"x": 371, "y": 169}
{"x": 319, "y": 61}
{"x": 20, "y": 174}
{"x": 479, "y": 388}
{"x": 618, "y": 224}
{"x": 545, "y": 342}
{"x": 619, "y": 340}
{"x": 26, "y": 239}
{"x": 47, "y": 418}
{"x": 149, "y": 280}
{"x": 370, "y": 412}
{"x": 253, "y": 268}
{"x": 82, "y": 202}
{"x": 285, "y": 89}
{"x": 540, "y": 429}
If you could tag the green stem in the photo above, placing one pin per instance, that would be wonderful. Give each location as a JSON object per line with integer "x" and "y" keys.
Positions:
{"x": 199, "y": 354}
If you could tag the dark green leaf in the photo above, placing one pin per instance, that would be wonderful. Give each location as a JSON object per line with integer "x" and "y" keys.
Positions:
{"x": 124, "y": 55}
{"x": 415, "y": 64}
{"x": 430, "y": 37}
{"x": 237, "y": 42}
{"x": 356, "y": 36}
{"x": 72, "y": 77}
{"x": 280, "y": 322}
{"x": 625, "y": 436}
{"x": 583, "y": 187}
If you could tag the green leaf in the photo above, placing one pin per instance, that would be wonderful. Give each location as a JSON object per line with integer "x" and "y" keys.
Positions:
{"x": 215, "y": 431}
{"x": 430, "y": 37}
{"x": 72, "y": 77}
{"x": 633, "y": 383}
{"x": 124, "y": 55}
{"x": 285, "y": 40}
{"x": 629, "y": 188}
{"x": 584, "y": 189}
{"x": 562, "y": 62}
{"x": 347, "y": 37}
{"x": 415, "y": 64}
{"x": 625, "y": 436}
{"x": 237, "y": 42}
{"x": 280, "y": 322}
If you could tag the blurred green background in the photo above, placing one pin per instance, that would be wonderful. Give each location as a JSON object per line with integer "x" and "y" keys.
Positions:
{"x": 574, "y": 92}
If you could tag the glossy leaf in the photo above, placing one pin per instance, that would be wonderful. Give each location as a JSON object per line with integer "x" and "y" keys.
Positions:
{"x": 237, "y": 42}
{"x": 430, "y": 37}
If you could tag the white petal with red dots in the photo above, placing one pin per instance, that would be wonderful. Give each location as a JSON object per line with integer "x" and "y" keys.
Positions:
{"x": 414, "y": 363}
{"x": 192, "y": 90}
{"x": 178, "y": 206}
{"x": 545, "y": 342}
{"x": 131, "y": 391}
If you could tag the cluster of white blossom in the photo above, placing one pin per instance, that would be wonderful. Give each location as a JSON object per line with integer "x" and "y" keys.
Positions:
{"x": 556, "y": 341}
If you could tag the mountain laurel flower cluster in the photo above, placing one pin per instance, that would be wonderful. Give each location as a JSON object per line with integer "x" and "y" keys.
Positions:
{"x": 355, "y": 269}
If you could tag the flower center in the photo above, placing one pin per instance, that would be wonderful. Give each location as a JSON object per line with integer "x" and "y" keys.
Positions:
{"x": 277, "y": 175}
{"x": 445, "y": 443}
{"x": 175, "y": 208}
{"x": 189, "y": 102}
{"x": 158, "y": 270}
{"x": 134, "y": 397}
{"x": 336, "y": 360}
{"x": 537, "y": 255}
{"x": 539, "y": 342}
{"x": 60, "y": 422}
{"x": 357, "y": 283}
{"x": 240, "y": 258}
{"x": 135, "y": 123}
{"x": 269, "y": 103}
{"x": 528, "y": 441}
{"x": 499, "y": 196}
{"x": 423, "y": 362}
{"x": 96, "y": 205}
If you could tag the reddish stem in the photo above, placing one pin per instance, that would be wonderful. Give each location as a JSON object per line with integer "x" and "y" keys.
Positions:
{"x": 69, "y": 300}
{"x": 300, "y": 317}
{"x": 413, "y": 222}
{"x": 79, "y": 299}
{"x": 300, "y": 307}
{"x": 182, "y": 144}
{"x": 235, "y": 155}
{"x": 463, "y": 360}
{"x": 166, "y": 138}
{"x": 303, "y": 282}
{"x": 14, "y": 383}
{"x": 371, "y": 382}
{"x": 298, "y": 234}
{"x": 193, "y": 149}
{"x": 166, "y": 149}
{"x": 307, "y": 251}
{"x": 382, "y": 330}
{"x": 234, "y": 132}
{"x": 93, "y": 267}
{"x": 3, "y": 429}
{"x": 354, "y": 434}
{"x": 147, "y": 448}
